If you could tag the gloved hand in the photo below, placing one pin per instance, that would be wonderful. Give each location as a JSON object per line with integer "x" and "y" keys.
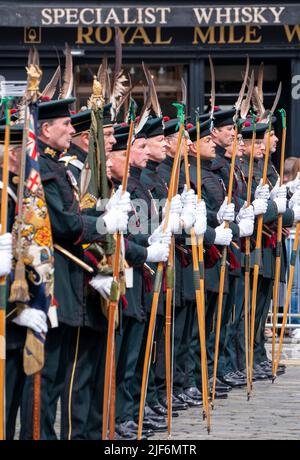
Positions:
{"x": 116, "y": 220}
{"x": 174, "y": 223}
{"x": 262, "y": 191}
{"x": 119, "y": 200}
{"x": 294, "y": 185}
{"x": 223, "y": 235}
{"x": 175, "y": 206}
{"x": 159, "y": 237}
{"x": 246, "y": 227}
{"x": 226, "y": 212}
{"x": 200, "y": 225}
{"x": 278, "y": 195}
{"x": 33, "y": 318}
{"x": 260, "y": 206}
{"x": 295, "y": 199}
{"x": 278, "y": 191}
{"x": 246, "y": 212}
{"x": 102, "y": 284}
{"x": 5, "y": 254}
{"x": 158, "y": 252}
{"x": 296, "y": 210}
{"x": 188, "y": 214}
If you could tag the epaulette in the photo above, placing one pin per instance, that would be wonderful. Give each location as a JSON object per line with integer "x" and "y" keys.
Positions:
{"x": 72, "y": 160}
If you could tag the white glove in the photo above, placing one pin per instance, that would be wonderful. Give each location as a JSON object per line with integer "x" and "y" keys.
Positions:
{"x": 223, "y": 235}
{"x": 159, "y": 237}
{"x": 5, "y": 254}
{"x": 278, "y": 195}
{"x": 33, "y": 318}
{"x": 158, "y": 252}
{"x": 246, "y": 212}
{"x": 294, "y": 185}
{"x": 116, "y": 220}
{"x": 262, "y": 191}
{"x": 200, "y": 225}
{"x": 296, "y": 210}
{"x": 278, "y": 191}
{"x": 174, "y": 223}
{"x": 226, "y": 212}
{"x": 102, "y": 284}
{"x": 246, "y": 227}
{"x": 260, "y": 206}
{"x": 119, "y": 200}
{"x": 188, "y": 214}
{"x": 295, "y": 199}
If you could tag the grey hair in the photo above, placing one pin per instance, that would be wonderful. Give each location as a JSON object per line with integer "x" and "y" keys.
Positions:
{"x": 41, "y": 123}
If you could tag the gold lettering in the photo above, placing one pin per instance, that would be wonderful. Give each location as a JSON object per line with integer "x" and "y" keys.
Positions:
{"x": 251, "y": 33}
{"x": 108, "y": 35}
{"x": 198, "y": 33}
{"x": 140, "y": 34}
{"x": 232, "y": 40}
{"x": 221, "y": 40}
{"x": 158, "y": 39}
{"x": 84, "y": 35}
{"x": 123, "y": 34}
{"x": 290, "y": 33}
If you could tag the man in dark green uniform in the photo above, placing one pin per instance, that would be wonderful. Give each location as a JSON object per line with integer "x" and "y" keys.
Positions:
{"x": 129, "y": 341}
{"x": 184, "y": 288}
{"x": 213, "y": 194}
{"x": 276, "y": 203}
{"x": 158, "y": 190}
{"x": 222, "y": 135}
{"x": 70, "y": 229}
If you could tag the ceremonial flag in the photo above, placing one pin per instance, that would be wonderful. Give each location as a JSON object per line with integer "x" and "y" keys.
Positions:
{"x": 33, "y": 242}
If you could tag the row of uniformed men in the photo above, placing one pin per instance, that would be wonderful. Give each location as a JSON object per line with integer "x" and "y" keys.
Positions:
{"x": 75, "y": 350}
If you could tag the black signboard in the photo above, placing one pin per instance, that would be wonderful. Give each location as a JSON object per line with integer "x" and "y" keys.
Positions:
{"x": 92, "y": 14}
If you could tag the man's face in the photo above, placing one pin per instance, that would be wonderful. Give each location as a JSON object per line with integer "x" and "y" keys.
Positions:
{"x": 14, "y": 158}
{"x": 115, "y": 164}
{"x": 240, "y": 148}
{"x": 109, "y": 139}
{"x": 158, "y": 148}
{"x": 273, "y": 141}
{"x": 223, "y": 136}
{"x": 139, "y": 153}
{"x": 58, "y": 133}
{"x": 172, "y": 141}
{"x": 207, "y": 148}
{"x": 259, "y": 148}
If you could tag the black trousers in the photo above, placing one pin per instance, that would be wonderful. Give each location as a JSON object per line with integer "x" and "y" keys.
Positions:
{"x": 15, "y": 380}
{"x": 52, "y": 383}
{"x": 184, "y": 317}
{"x": 128, "y": 347}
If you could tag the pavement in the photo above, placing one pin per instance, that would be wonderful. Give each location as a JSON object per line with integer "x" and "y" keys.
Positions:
{"x": 273, "y": 412}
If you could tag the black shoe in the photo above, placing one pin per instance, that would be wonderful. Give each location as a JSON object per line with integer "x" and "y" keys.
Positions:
{"x": 150, "y": 424}
{"x": 176, "y": 404}
{"x": 261, "y": 374}
{"x": 161, "y": 410}
{"x": 183, "y": 397}
{"x": 193, "y": 393}
{"x": 122, "y": 433}
{"x": 269, "y": 362}
{"x": 221, "y": 387}
{"x": 149, "y": 413}
{"x": 267, "y": 366}
{"x": 220, "y": 395}
{"x": 232, "y": 380}
{"x": 132, "y": 427}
